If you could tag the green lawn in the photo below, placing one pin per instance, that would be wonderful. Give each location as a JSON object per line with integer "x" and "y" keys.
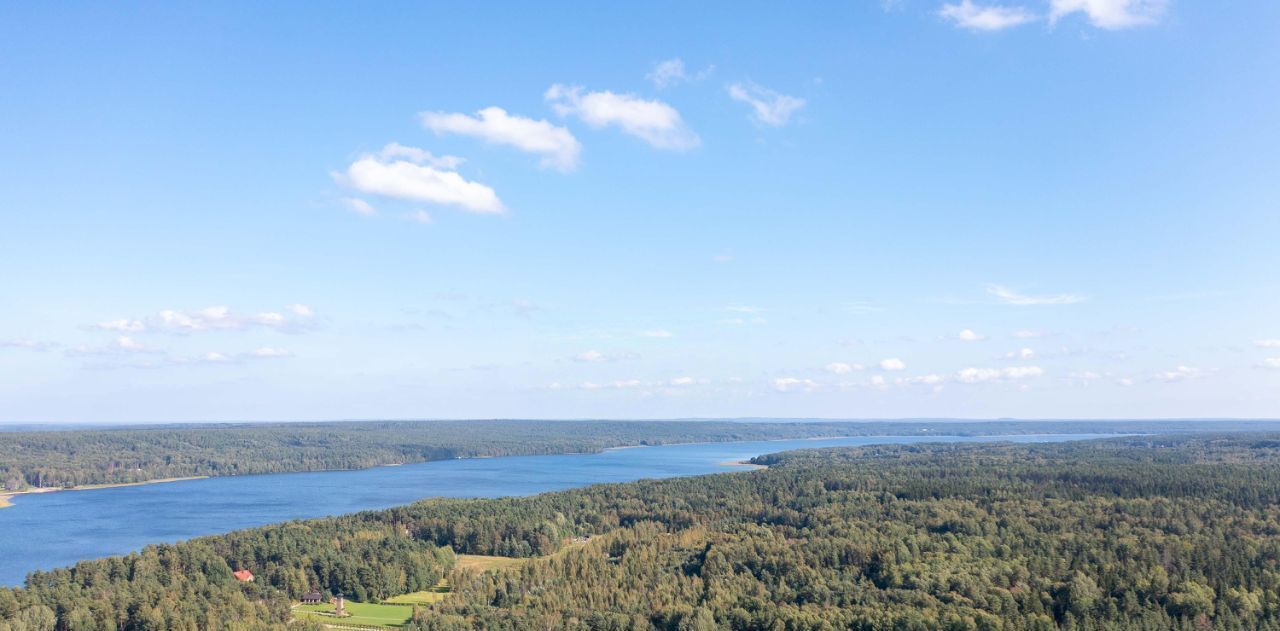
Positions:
{"x": 361, "y": 614}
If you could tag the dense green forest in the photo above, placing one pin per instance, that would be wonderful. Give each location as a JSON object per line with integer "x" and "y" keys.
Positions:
{"x": 138, "y": 454}
{"x": 1127, "y": 533}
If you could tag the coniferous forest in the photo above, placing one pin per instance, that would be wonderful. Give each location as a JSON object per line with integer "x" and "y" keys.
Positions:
{"x": 130, "y": 455}
{"x": 1125, "y": 533}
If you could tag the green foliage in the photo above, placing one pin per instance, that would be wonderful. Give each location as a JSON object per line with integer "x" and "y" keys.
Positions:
{"x": 129, "y": 455}
{"x": 1141, "y": 533}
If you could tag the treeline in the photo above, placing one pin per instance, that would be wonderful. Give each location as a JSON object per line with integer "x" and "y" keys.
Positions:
{"x": 1133, "y": 533}
{"x": 126, "y": 455}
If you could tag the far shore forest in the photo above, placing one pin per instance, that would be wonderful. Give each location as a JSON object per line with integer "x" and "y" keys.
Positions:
{"x": 63, "y": 459}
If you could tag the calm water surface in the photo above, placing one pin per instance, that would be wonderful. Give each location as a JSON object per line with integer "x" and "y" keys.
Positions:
{"x": 50, "y": 530}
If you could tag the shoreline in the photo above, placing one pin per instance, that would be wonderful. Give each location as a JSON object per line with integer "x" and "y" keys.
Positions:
{"x": 743, "y": 463}
{"x": 7, "y": 497}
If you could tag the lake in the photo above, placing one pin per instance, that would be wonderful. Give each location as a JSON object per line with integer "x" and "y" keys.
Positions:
{"x": 49, "y": 530}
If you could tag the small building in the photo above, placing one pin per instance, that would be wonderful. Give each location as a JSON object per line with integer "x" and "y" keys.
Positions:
{"x": 312, "y": 598}
{"x": 244, "y": 576}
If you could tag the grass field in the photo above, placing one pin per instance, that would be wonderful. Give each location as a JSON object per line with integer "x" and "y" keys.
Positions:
{"x": 483, "y": 563}
{"x": 426, "y": 597}
{"x": 397, "y": 610}
{"x": 365, "y": 614}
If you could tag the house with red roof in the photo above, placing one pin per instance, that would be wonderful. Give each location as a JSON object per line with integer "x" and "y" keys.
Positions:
{"x": 244, "y": 576}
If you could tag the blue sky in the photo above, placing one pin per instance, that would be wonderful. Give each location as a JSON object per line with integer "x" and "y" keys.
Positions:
{"x": 1031, "y": 208}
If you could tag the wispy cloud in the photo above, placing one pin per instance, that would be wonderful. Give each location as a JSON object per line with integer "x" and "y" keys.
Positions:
{"x": 419, "y": 217}
{"x": 595, "y": 356}
{"x": 992, "y": 17}
{"x": 767, "y": 106}
{"x": 359, "y": 206}
{"x": 121, "y": 345}
{"x": 652, "y": 121}
{"x": 1271, "y": 343}
{"x": 556, "y": 145}
{"x": 842, "y": 368}
{"x": 985, "y": 375}
{"x": 295, "y": 317}
{"x": 1181, "y": 373}
{"x": 795, "y": 384}
{"x": 672, "y": 72}
{"x": 969, "y": 335}
{"x": 1008, "y": 296}
{"x": 1110, "y": 14}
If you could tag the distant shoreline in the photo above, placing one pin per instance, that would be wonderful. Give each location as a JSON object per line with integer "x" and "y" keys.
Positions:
{"x": 743, "y": 463}
{"x": 6, "y": 498}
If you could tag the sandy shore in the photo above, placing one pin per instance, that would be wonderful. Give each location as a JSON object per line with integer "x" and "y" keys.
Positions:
{"x": 742, "y": 463}
{"x": 6, "y": 499}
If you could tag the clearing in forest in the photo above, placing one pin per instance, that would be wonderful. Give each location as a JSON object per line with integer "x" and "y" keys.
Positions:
{"x": 362, "y": 614}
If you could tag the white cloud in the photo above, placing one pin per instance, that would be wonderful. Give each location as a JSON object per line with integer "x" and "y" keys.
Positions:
{"x": 877, "y": 381}
{"x": 123, "y": 325}
{"x": 1125, "y": 382}
{"x": 991, "y": 17}
{"x": 359, "y": 206}
{"x": 1110, "y": 14}
{"x": 621, "y": 384}
{"x": 968, "y": 335}
{"x": 683, "y": 381}
{"x": 984, "y": 375}
{"x": 1181, "y": 373}
{"x": 403, "y": 175}
{"x": 893, "y": 364}
{"x": 743, "y": 309}
{"x": 1270, "y": 362}
{"x": 793, "y": 384}
{"x": 927, "y": 380}
{"x": 418, "y": 216}
{"x": 842, "y": 368}
{"x": 217, "y": 318}
{"x": 395, "y": 150}
{"x": 722, "y": 258}
{"x": 556, "y": 146}
{"x": 672, "y": 72}
{"x": 1267, "y": 343}
{"x": 767, "y": 107}
{"x": 1022, "y": 353}
{"x": 1010, "y": 297}
{"x": 654, "y": 122}
{"x": 1028, "y": 335}
{"x": 214, "y": 318}
{"x": 657, "y": 333}
{"x": 593, "y": 356}
{"x": 589, "y": 356}
{"x": 121, "y": 345}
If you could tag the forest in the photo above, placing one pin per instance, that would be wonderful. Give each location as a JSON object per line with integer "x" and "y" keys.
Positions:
{"x": 1139, "y": 532}
{"x": 138, "y": 454}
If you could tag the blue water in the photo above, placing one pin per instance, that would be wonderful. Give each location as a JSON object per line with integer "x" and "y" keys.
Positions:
{"x": 44, "y": 531}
